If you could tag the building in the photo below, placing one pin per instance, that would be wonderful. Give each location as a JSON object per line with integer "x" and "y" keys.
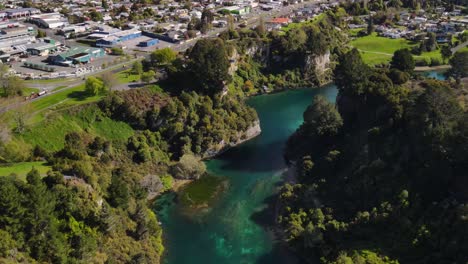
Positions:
{"x": 114, "y": 39}
{"x": 277, "y": 23}
{"x": 76, "y": 55}
{"x": 21, "y": 12}
{"x": 237, "y": 10}
{"x": 16, "y": 36}
{"x": 52, "y": 20}
{"x": 40, "y": 49}
{"x": 148, "y": 43}
{"x": 73, "y": 30}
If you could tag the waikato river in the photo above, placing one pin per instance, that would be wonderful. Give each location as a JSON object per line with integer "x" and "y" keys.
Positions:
{"x": 234, "y": 232}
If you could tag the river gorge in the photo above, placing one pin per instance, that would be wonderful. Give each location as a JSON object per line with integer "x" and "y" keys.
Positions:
{"x": 233, "y": 230}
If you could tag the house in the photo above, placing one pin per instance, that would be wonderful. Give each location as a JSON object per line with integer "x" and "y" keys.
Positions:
{"x": 277, "y": 23}
{"x": 76, "y": 55}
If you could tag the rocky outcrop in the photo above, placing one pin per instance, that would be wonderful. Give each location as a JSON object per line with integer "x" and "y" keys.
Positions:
{"x": 317, "y": 68}
{"x": 253, "y": 131}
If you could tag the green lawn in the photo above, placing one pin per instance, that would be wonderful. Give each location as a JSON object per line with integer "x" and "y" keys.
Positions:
{"x": 22, "y": 168}
{"x": 47, "y": 81}
{"x": 376, "y": 50}
{"x": 25, "y": 91}
{"x": 127, "y": 77}
{"x": 299, "y": 25}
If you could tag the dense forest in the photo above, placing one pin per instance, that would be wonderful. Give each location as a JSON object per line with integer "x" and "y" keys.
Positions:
{"x": 92, "y": 206}
{"x": 381, "y": 175}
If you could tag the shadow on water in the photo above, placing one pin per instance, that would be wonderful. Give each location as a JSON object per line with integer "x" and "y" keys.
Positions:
{"x": 251, "y": 157}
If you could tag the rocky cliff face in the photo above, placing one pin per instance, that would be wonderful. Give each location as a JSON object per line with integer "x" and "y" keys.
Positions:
{"x": 317, "y": 68}
{"x": 253, "y": 131}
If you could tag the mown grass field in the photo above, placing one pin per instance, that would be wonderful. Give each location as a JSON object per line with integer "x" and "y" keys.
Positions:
{"x": 377, "y": 50}
{"x": 22, "y": 168}
{"x": 127, "y": 77}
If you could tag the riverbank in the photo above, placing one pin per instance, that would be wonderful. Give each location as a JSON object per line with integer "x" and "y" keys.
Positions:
{"x": 431, "y": 68}
{"x": 251, "y": 133}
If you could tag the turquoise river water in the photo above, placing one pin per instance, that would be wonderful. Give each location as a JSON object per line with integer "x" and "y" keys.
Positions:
{"x": 234, "y": 231}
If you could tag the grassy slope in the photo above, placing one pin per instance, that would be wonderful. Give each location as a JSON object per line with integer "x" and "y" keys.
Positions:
{"x": 376, "y": 50}
{"x": 22, "y": 168}
{"x": 58, "y": 125}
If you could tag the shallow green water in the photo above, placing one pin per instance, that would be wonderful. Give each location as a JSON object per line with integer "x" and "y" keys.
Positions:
{"x": 233, "y": 231}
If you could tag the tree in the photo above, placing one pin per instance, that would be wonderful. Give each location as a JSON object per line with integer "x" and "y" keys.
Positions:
{"x": 295, "y": 40}
{"x": 398, "y": 77}
{"x": 260, "y": 28}
{"x": 321, "y": 118}
{"x": 118, "y": 193}
{"x": 117, "y": 51}
{"x": 41, "y": 34}
{"x": 206, "y": 20}
{"x": 370, "y": 26}
{"x": 137, "y": 68}
{"x": 403, "y": 61}
{"x": 351, "y": 73}
{"x": 11, "y": 85}
{"x": 459, "y": 63}
{"x": 446, "y": 52}
{"x": 189, "y": 167}
{"x": 104, "y": 4}
{"x": 95, "y": 16}
{"x": 209, "y": 64}
{"x": 431, "y": 43}
{"x": 163, "y": 56}
{"x": 94, "y": 86}
{"x": 148, "y": 76}
{"x": 109, "y": 80}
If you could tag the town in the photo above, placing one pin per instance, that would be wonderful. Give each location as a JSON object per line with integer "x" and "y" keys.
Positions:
{"x": 81, "y": 37}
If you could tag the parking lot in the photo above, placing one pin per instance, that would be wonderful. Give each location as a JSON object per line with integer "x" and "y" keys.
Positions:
{"x": 79, "y": 69}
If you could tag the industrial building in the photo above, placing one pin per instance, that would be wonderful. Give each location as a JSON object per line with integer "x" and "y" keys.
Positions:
{"x": 40, "y": 49}
{"x": 148, "y": 43}
{"x": 76, "y": 55}
{"x": 20, "y": 12}
{"x": 113, "y": 39}
{"x": 50, "y": 20}
{"x": 16, "y": 36}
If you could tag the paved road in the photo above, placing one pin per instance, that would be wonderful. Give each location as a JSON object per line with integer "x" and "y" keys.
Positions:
{"x": 460, "y": 46}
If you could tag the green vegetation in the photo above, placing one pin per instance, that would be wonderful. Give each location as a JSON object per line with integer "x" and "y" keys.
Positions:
{"x": 127, "y": 76}
{"x": 22, "y": 168}
{"x": 377, "y": 50}
{"x": 202, "y": 192}
{"x": 381, "y": 176}
{"x": 89, "y": 119}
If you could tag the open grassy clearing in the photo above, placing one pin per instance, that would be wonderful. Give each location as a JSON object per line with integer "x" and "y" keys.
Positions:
{"x": 127, "y": 77}
{"x": 22, "y": 168}
{"x": 376, "y": 50}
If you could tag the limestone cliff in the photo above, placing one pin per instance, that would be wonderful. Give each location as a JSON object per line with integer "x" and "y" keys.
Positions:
{"x": 253, "y": 131}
